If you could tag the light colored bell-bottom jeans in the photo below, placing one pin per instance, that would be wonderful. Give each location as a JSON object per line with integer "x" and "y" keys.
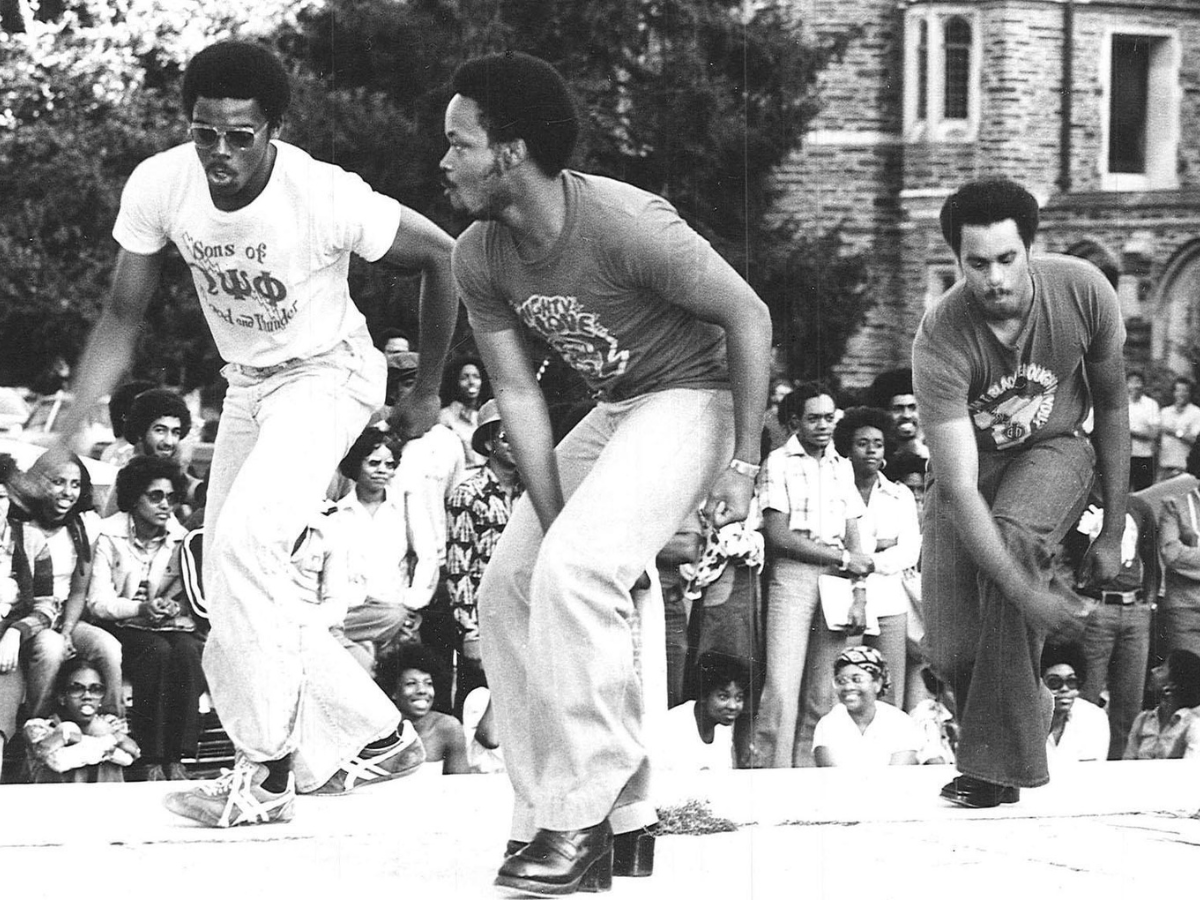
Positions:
{"x": 556, "y": 616}
{"x": 280, "y": 681}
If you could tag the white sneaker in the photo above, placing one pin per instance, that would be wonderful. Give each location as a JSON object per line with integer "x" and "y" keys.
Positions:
{"x": 236, "y": 797}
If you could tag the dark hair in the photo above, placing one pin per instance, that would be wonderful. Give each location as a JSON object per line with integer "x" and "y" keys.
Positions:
{"x": 905, "y": 463}
{"x": 521, "y": 97}
{"x": 793, "y": 403}
{"x": 1185, "y": 675}
{"x": 449, "y": 389}
{"x": 238, "y": 70}
{"x": 120, "y": 401}
{"x": 366, "y": 444}
{"x": 86, "y": 501}
{"x": 410, "y": 656}
{"x": 889, "y": 384}
{"x": 1065, "y": 654}
{"x": 857, "y": 417}
{"x": 142, "y": 471}
{"x": 717, "y": 669}
{"x": 388, "y": 333}
{"x": 986, "y": 202}
{"x": 8, "y": 465}
{"x": 69, "y": 669}
{"x": 152, "y": 405}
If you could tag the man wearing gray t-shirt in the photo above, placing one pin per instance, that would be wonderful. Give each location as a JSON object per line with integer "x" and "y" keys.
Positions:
{"x": 675, "y": 345}
{"x": 1006, "y": 366}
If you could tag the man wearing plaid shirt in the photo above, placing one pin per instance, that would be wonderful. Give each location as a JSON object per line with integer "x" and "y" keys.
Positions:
{"x": 810, "y": 510}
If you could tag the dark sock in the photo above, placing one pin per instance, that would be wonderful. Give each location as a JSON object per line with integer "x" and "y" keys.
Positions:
{"x": 277, "y": 774}
{"x": 384, "y": 742}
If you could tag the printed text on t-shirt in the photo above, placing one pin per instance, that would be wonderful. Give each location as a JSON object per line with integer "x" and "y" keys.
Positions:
{"x": 578, "y": 336}
{"x": 1016, "y": 406}
{"x": 218, "y": 273}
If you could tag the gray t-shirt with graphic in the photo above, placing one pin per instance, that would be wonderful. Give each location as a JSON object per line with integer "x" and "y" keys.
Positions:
{"x": 606, "y": 295}
{"x": 1035, "y": 389}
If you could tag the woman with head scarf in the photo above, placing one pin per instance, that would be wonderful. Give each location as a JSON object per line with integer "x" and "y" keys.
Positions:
{"x": 860, "y": 731}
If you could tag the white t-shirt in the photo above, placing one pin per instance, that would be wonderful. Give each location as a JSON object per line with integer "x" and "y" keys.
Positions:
{"x": 683, "y": 749}
{"x": 891, "y": 731}
{"x": 271, "y": 277}
{"x": 1085, "y": 737}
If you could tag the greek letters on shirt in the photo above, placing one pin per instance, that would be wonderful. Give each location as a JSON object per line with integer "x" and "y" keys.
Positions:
{"x": 576, "y": 334}
{"x": 1012, "y": 409}
{"x": 228, "y": 278}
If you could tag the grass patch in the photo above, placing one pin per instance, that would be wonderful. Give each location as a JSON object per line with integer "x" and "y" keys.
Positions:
{"x": 692, "y": 817}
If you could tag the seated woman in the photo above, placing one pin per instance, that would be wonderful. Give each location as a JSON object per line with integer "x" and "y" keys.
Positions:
{"x": 1078, "y": 729}
{"x": 136, "y": 589}
{"x": 380, "y": 537}
{"x": 410, "y": 672}
{"x": 699, "y": 733}
{"x": 860, "y": 732}
{"x": 51, "y": 528}
{"x": 1172, "y": 729}
{"x": 77, "y": 744}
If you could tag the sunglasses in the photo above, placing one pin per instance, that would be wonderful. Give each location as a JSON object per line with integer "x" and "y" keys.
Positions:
{"x": 156, "y": 497}
{"x": 859, "y": 680}
{"x": 76, "y": 691}
{"x": 1057, "y": 682}
{"x": 206, "y": 137}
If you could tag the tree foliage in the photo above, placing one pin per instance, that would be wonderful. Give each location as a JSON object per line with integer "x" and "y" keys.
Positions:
{"x": 694, "y": 99}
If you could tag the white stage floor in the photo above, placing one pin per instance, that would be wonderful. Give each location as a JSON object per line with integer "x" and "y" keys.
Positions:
{"x": 1099, "y": 830}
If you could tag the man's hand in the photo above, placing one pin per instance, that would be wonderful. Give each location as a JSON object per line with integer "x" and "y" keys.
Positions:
{"x": 10, "y": 651}
{"x": 1052, "y": 614}
{"x": 859, "y": 565}
{"x": 729, "y": 499}
{"x": 1101, "y": 563}
{"x": 414, "y": 415}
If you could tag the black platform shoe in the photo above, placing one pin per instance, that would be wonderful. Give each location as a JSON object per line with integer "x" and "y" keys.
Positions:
{"x": 633, "y": 854}
{"x": 561, "y": 862}
{"x": 975, "y": 793}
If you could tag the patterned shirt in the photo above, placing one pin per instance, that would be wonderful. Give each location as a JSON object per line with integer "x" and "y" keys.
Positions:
{"x": 476, "y": 513}
{"x": 817, "y": 493}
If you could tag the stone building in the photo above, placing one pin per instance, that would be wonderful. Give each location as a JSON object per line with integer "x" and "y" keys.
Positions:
{"x": 1092, "y": 104}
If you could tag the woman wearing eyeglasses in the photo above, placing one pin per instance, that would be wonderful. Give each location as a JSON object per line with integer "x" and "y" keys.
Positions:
{"x": 1078, "y": 729}
{"x": 136, "y": 590}
{"x": 78, "y": 744}
{"x": 860, "y": 732}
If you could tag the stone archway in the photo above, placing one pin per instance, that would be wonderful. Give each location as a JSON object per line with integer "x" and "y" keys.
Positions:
{"x": 1175, "y": 326}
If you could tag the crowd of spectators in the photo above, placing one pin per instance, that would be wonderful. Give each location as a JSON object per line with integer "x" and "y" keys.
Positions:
{"x": 792, "y": 639}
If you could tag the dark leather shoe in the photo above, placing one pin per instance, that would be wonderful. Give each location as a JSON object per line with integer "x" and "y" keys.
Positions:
{"x": 512, "y": 848}
{"x": 633, "y": 854}
{"x": 979, "y": 794}
{"x": 561, "y": 862}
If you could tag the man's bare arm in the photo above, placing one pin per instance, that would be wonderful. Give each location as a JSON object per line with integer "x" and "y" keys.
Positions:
{"x": 526, "y": 418}
{"x": 421, "y": 245}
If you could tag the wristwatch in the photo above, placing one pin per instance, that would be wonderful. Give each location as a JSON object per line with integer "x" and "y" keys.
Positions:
{"x": 744, "y": 468}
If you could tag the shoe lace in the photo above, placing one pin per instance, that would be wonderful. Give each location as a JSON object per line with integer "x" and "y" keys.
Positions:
{"x": 235, "y": 780}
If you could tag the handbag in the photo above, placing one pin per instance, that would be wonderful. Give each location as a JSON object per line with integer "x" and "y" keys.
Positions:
{"x": 837, "y": 594}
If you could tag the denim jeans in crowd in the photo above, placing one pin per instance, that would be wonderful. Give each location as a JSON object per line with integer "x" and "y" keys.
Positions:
{"x": 556, "y": 615}
{"x": 1116, "y": 647}
{"x": 977, "y": 639}
{"x": 798, "y": 685}
{"x": 280, "y": 682}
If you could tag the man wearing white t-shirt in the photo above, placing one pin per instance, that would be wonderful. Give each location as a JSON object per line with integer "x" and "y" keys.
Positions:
{"x": 267, "y": 232}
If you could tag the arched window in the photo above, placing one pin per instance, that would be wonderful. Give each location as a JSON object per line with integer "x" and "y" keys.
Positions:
{"x": 956, "y": 49}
